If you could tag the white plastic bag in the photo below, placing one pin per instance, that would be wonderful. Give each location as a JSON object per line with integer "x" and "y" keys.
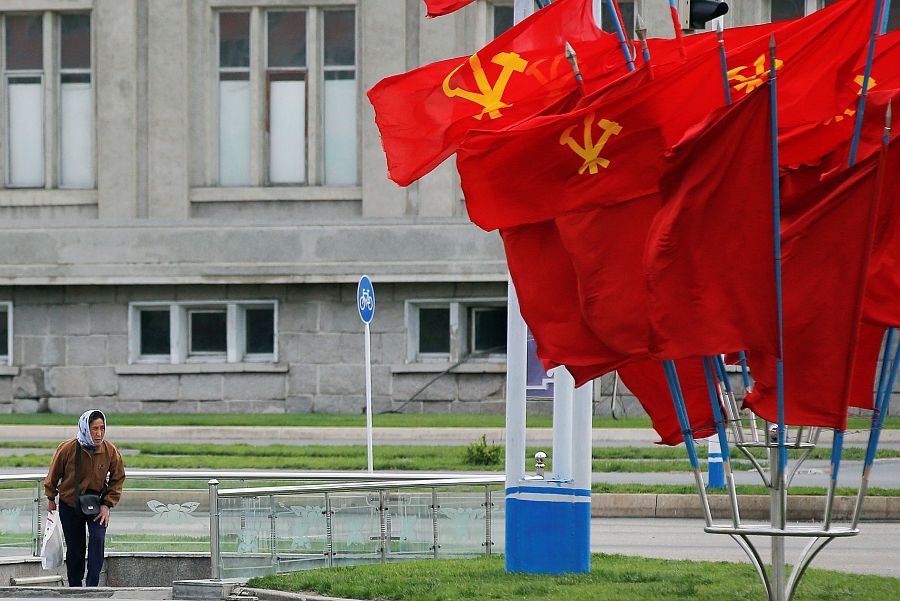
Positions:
{"x": 52, "y": 550}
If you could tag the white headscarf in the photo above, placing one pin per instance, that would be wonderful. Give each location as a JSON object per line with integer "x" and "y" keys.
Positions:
{"x": 84, "y": 429}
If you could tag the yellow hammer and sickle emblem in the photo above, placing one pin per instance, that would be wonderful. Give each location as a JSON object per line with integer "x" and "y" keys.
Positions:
{"x": 490, "y": 97}
{"x": 590, "y": 152}
{"x": 748, "y": 84}
{"x": 850, "y": 112}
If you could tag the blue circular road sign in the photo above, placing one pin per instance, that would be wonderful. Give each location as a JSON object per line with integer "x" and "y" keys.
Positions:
{"x": 365, "y": 299}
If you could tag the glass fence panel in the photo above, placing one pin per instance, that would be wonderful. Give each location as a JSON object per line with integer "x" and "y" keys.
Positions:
{"x": 356, "y": 522}
{"x": 247, "y": 536}
{"x": 153, "y": 519}
{"x": 17, "y": 519}
{"x": 462, "y": 523}
{"x": 301, "y": 532}
{"x": 498, "y": 521}
{"x": 409, "y": 524}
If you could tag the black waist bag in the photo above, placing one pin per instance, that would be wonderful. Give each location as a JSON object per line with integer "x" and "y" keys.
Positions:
{"x": 89, "y": 502}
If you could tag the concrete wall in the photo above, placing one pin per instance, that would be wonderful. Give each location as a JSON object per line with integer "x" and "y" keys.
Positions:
{"x": 70, "y": 352}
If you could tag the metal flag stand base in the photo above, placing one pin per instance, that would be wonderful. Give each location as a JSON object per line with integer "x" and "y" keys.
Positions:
{"x": 748, "y": 433}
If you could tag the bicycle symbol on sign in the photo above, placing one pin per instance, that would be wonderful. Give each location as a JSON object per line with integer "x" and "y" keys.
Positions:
{"x": 365, "y": 301}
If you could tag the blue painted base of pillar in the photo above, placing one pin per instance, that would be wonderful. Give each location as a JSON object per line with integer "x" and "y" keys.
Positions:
{"x": 548, "y": 530}
{"x": 716, "y": 471}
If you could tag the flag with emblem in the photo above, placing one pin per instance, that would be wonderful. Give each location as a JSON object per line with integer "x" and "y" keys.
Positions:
{"x": 611, "y": 150}
{"x": 422, "y": 115}
{"x": 812, "y": 145}
{"x": 437, "y": 8}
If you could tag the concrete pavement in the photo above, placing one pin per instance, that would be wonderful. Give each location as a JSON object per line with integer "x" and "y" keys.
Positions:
{"x": 264, "y": 435}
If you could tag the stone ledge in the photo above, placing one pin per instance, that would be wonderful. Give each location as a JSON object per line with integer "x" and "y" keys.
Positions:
{"x": 150, "y": 369}
{"x": 465, "y": 368}
{"x": 275, "y": 193}
{"x": 9, "y": 371}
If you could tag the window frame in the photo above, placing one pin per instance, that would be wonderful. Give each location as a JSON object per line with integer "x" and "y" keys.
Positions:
{"x": 51, "y": 73}
{"x": 7, "y": 359}
{"x": 461, "y": 330}
{"x": 260, "y": 163}
{"x": 179, "y": 332}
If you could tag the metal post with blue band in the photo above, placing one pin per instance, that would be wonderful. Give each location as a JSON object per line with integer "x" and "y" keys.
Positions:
{"x": 548, "y": 517}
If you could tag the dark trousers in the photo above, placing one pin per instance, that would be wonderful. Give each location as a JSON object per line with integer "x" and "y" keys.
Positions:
{"x": 73, "y": 524}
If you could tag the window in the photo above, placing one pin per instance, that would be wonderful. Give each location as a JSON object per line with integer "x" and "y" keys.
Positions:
{"x": 308, "y": 94}
{"x": 487, "y": 330}
{"x": 503, "y": 19}
{"x": 5, "y": 333}
{"x": 784, "y": 10}
{"x": 198, "y": 332}
{"x": 29, "y": 75}
{"x": 450, "y": 330}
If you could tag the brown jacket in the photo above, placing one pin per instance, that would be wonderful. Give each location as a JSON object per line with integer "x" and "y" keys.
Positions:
{"x": 95, "y": 467}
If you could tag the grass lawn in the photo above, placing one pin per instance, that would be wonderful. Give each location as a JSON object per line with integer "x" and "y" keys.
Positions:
{"x": 612, "y": 577}
{"x": 387, "y": 457}
{"x": 322, "y": 420}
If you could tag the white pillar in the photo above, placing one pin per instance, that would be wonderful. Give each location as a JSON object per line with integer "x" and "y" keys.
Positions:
{"x": 563, "y": 440}
{"x": 516, "y": 357}
{"x": 582, "y": 414}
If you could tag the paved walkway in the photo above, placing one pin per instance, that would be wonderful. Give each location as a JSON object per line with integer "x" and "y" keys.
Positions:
{"x": 873, "y": 551}
{"x": 343, "y": 436}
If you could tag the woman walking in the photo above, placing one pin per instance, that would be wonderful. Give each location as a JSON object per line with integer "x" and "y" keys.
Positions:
{"x": 85, "y": 501}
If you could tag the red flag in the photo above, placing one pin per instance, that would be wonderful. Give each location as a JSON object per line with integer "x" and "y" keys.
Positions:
{"x": 882, "y": 301}
{"x": 811, "y": 144}
{"x": 610, "y": 151}
{"x": 647, "y": 381}
{"x": 436, "y": 8}
{"x": 424, "y": 114}
{"x": 865, "y": 364}
{"x": 548, "y": 298}
{"x": 701, "y": 302}
{"x": 822, "y": 302}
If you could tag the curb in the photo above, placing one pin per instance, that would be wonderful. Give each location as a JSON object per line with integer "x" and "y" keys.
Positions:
{"x": 100, "y": 592}
{"x": 264, "y": 594}
{"x": 753, "y": 507}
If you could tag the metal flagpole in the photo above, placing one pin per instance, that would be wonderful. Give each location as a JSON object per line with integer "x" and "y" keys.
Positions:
{"x": 721, "y": 37}
{"x": 885, "y": 13}
{"x": 778, "y": 494}
{"x": 676, "y": 25}
{"x": 642, "y": 35}
{"x": 723, "y": 442}
{"x": 621, "y": 35}
{"x": 685, "y": 424}
{"x": 861, "y": 107}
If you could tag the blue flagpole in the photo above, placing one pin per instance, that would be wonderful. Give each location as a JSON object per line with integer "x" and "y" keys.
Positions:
{"x": 745, "y": 371}
{"x": 685, "y": 423}
{"x": 621, "y": 35}
{"x": 861, "y": 106}
{"x": 776, "y": 197}
{"x": 642, "y": 35}
{"x": 884, "y": 16}
{"x": 721, "y": 36}
{"x": 720, "y": 427}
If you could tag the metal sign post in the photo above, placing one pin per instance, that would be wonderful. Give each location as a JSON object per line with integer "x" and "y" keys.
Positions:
{"x": 365, "y": 303}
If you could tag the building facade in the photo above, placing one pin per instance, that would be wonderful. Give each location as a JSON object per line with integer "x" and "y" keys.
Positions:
{"x": 191, "y": 188}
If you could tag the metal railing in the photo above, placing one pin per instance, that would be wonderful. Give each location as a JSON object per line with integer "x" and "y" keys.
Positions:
{"x": 265, "y": 530}
{"x": 172, "y": 512}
